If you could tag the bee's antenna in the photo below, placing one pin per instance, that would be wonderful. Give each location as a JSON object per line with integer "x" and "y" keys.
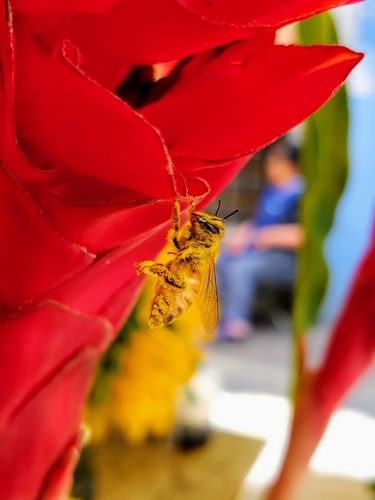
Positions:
{"x": 230, "y": 215}
{"x": 218, "y": 208}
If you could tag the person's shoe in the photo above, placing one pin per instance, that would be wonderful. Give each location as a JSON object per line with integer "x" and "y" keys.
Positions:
{"x": 236, "y": 329}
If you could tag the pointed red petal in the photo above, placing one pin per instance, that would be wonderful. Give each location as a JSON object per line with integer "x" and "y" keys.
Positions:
{"x": 217, "y": 175}
{"x": 30, "y": 358}
{"x": 193, "y": 25}
{"x": 35, "y": 257}
{"x": 352, "y": 345}
{"x": 10, "y": 152}
{"x": 245, "y": 99}
{"x": 95, "y": 133}
{"x": 101, "y": 228}
{"x": 101, "y": 217}
{"x": 59, "y": 481}
{"x": 350, "y": 352}
{"x": 35, "y": 440}
{"x": 111, "y": 284}
{"x": 255, "y": 14}
{"x": 153, "y": 25}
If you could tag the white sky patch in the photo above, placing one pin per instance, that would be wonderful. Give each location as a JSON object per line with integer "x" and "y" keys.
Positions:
{"x": 347, "y": 447}
{"x": 361, "y": 81}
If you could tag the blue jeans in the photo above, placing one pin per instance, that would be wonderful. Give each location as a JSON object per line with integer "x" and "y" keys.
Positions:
{"x": 238, "y": 277}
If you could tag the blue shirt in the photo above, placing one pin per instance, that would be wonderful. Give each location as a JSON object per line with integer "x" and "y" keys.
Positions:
{"x": 279, "y": 204}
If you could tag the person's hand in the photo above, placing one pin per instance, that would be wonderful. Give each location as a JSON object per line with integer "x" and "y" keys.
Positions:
{"x": 286, "y": 236}
{"x": 267, "y": 237}
{"x": 240, "y": 240}
{"x": 235, "y": 247}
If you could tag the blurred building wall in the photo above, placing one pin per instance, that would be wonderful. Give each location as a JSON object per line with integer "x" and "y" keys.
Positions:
{"x": 356, "y": 210}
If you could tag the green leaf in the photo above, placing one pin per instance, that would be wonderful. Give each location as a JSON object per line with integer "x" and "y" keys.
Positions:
{"x": 324, "y": 165}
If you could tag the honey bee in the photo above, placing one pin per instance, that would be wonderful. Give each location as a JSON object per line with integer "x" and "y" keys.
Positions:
{"x": 190, "y": 274}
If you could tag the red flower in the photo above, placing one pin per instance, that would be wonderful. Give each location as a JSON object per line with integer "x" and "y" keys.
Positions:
{"x": 350, "y": 353}
{"x": 88, "y": 181}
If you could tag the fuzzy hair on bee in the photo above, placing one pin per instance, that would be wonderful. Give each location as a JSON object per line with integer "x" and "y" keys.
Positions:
{"x": 189, "y": 276}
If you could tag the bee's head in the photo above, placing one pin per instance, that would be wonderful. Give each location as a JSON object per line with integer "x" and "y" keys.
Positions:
{"x": 209, "y": 224}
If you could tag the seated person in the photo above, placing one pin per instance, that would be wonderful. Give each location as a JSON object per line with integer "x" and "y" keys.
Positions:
{"x": 262, "y": 251}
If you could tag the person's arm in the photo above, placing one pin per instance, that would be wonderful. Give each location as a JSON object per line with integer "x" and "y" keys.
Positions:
{"x": 285, "y": 236}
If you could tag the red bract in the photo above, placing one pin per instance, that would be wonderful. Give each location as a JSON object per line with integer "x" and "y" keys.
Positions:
{"x": 352, "y": 346}
{"x": 89, "y": 177}
{"x": 350, "y": 352}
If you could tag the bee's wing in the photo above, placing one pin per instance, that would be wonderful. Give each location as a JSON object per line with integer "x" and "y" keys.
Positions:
{"x": 158, "y": 283}
{"x": 207, "y": 299}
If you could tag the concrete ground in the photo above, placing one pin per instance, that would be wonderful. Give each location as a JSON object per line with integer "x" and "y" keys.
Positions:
{"x": 263, "y": 364}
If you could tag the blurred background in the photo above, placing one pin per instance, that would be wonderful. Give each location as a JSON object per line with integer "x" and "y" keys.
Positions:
{"x": 172, "y": 409}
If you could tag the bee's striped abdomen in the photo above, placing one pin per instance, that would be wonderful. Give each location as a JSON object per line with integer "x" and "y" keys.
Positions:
{"x": 170, "y": 302}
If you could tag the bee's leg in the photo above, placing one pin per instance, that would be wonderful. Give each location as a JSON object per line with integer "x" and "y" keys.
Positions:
{"x": 152, "y": 268}
{"x": 175, "y": 223}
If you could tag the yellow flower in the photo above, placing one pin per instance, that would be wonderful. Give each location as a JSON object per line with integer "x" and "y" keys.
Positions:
{"x": 151, "y": 367}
